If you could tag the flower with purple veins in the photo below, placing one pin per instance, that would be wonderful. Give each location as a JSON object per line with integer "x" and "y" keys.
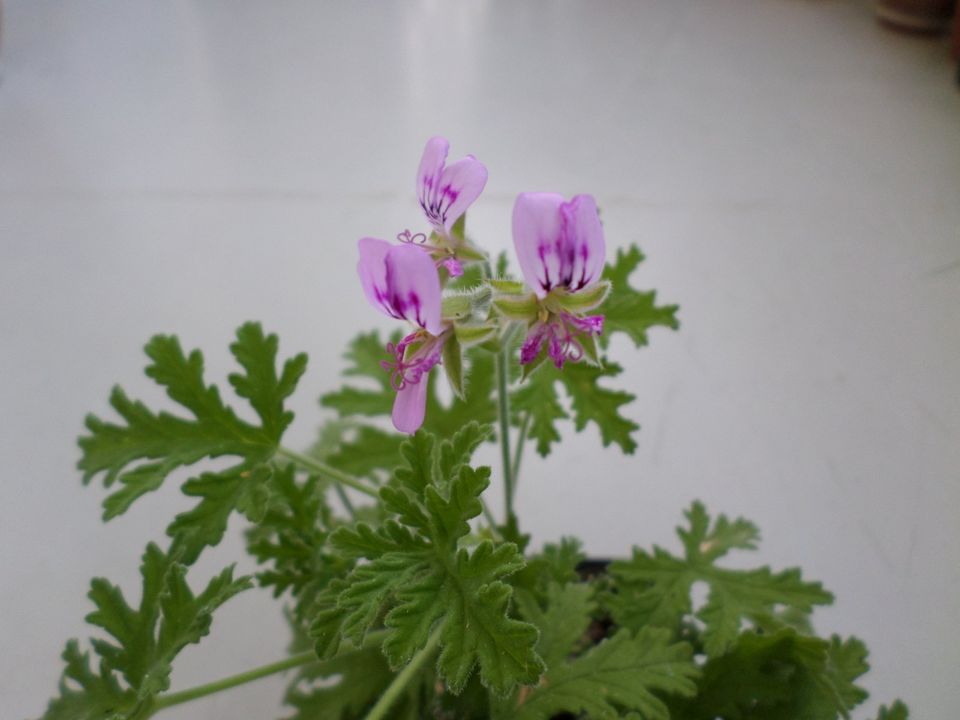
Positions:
{"x": 445, "y": 192}
{"x": 561, "y": 251}
{"x": 402, "y": 281}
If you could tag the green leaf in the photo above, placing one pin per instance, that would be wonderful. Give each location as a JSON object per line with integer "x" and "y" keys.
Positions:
{"x": 259, "y": 383}
{"x": 537, "y": 398}
{"x": 622, "y": 673}
{"x": 897, "y": 711}
{"x": 556, "y": 564}
{"x": 654, "y": 588}
{"x": 364, "y": 354}
{"x": 148, "y": 446}
{"x": 419, "y": 580}
{"x": 243, "y": 488}
{"x": 778, "y": 676}
{"x": 144, "y": 640}
{"x": 367, "y": 451}
{"x": 86, "y": 695}
{"x": 291, "y": 539}
{"x": 564, "y": 620}
{"x": 627, "y": 310}
{"x": 590, "y": 403}
{"x": 478, "y": 404}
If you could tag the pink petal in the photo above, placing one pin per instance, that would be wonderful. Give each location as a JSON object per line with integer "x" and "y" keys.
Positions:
{"x": 537, "y": 238}
{"x": 584, "y": 242}
{"x": 431, "y": 168}
{"x": 461, "y": 184}
{"x": 372, "y": 269}
{"x": 413, "y": 287}
{"x": 410, "y": 407}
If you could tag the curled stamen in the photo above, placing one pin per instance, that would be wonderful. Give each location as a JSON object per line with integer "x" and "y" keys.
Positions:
{"x": 417, "y": 239}
{"x": 563, "y": 336}
{"x": 404, "y": 370}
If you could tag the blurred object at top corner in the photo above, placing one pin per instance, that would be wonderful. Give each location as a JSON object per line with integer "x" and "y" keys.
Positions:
{"x": 920, "y": 16}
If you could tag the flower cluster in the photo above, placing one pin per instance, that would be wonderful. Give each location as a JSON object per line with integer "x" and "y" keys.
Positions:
{"x": 560, "y": 249}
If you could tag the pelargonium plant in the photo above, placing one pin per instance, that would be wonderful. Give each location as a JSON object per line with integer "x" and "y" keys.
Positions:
{"x": 407, "y": 594}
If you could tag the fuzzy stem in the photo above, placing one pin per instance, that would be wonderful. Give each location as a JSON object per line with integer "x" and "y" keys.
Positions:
{"x": 504, "y": 404}
{"x": 491, "y": 520}
{"x": 309, "y": 463}
{"x": 176, "y": 698}
{"x": 345, "y": 500}
{"x": 521, "y": 442}
{"x": 400, "y": 682}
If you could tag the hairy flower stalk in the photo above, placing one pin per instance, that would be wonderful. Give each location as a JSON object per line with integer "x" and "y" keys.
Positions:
{"x": 560, "y": 247}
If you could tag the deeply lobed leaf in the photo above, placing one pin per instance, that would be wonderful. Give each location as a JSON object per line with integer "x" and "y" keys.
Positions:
{"x": 590, "y": 402}
{"x": 623, "y": 673}
{"x": 627, "y": 310}
{"x": 419, "y": 581}
{"x": 654, "y": 588}
{"x": 781, "y": 675}
{"x": 142, "y": 451}
{"x": 144, "y": 640}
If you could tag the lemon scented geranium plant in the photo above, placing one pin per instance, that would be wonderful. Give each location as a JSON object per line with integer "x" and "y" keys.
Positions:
{"x": 410, "y": 592}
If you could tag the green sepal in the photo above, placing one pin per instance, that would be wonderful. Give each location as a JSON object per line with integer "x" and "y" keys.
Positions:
{"x": 468, "y": 251}
{"x": 465, "y": 306}
{"x": 493, "y": 345}
{"x": 532, "y": 366}
{"x": 590, "y": 353}
{"x": 507, "y": 287}
{"x": 480, "y": 301}
{"x": 584, "y": 300}
{"x": 452, "y": 355}
{"x": 517, "y": 307}
{"x": 455, "y": 307}
{"x": 470, "y": 335}
{"x": 459, "y": 229}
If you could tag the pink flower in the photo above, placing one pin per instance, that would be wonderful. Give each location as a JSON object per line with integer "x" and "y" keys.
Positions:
{"x": 446, "y": 191}
{"x": 402, "y": 281}
{"x": 561, "y": 251}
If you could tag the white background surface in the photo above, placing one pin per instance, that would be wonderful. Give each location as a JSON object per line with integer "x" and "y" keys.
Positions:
{"x": 790, "y": 168}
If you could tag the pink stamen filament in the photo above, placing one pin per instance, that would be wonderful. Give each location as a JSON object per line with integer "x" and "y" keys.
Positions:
{"x": 417, "y": 239}
{"x": 563, "y": 336}
{"x": 406, "y": 371}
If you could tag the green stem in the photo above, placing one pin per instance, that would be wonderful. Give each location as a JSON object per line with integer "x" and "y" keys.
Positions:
{"x": 400, "y": 682}
{"x": 503, "y": 401}
{"x": 345, "y": 500}
{"x": 176, "y": 698}
{"x": 521, "y": 442}
{"x": 309, "y": 463}
{"x": 491, "y": 520}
